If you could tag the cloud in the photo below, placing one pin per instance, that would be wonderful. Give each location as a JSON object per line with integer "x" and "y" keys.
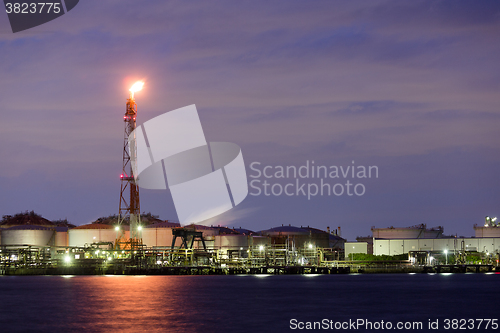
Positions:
{"x": 393, "y": 82}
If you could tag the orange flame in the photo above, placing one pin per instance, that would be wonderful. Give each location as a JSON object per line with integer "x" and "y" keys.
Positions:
{"x": 137, "y": 86}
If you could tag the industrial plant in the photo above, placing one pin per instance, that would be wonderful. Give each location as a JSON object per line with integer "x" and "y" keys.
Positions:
{"x": 31, "y": 244}
{"x": 135, "y": 243}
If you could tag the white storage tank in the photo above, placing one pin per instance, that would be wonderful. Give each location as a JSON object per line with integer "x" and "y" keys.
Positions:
{"x": 160, "y": 234}
{"x": 418, "y": 231}
{"x": 285, "y": 231}
{"x": 207, "y": 231}
{"x": 487, "y": 231}
{"x": 256, "y": 241}
{"x": 61, "y": 238}
{"x": 209, "y": 234}
{"x": 231, "y": 242}
{"x": 28, "y": 235}
{"x": 94, "y": 233}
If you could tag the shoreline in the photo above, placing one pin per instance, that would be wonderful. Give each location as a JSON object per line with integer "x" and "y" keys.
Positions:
{"x": 265, "y": 270}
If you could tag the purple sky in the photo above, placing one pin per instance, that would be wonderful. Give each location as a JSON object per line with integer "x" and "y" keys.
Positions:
{"x": 411, "y": 87}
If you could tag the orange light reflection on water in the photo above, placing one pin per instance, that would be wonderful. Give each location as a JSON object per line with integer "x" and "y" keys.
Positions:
{"x": 132, "y": 303}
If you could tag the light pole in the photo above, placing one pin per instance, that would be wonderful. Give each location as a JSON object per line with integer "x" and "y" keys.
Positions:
{"x": 446, "y": 254}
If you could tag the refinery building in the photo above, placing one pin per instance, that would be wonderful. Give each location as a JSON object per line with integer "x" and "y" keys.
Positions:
{"x": 406, "y": 240}
{"x": 29, "y": 230}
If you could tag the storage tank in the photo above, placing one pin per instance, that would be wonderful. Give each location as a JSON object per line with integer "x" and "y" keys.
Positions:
{"x": 414, "y": 232}
{"x": 284, "y": 231}
{"x": 318, "y": 237}
{"x": 337, "y": 242}
{"x": 231, "y": 242}
{"x": 94, "y": 233}
{"x": 256, "y": 241}
{"x": 293, "y": 236}
{"x": 207, "y": 231}
{"x": 487, "y": 231}
{"x": 33, "y": 235}
{"x": 209, "y": 234}
{"x": 61, "y": 236}
{"x": 297, "y": 237}
{"x": 244, "y": 231}
{"x": 160, "y": 234}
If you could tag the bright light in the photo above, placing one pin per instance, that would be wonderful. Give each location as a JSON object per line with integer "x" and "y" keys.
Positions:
{"x": 97, "y": 252}
{"x": 445, "y": 251}
{"x": 117, "y": 228}
{"x": 494, "y": 219}
{"x": 139, "y": 228}
{"x": 67, "y": 259}
{"x": 310, "y": 246}
{"x": 137, "y": 86}
{"x": 261, "y": 247}
{"x": 109, "y": 258}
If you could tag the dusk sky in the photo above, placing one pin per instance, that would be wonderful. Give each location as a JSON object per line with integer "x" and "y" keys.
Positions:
{"x": 412, "y": 87}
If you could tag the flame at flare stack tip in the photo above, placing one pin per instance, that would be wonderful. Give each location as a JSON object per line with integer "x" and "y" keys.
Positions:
{"x": 136, "y": 87}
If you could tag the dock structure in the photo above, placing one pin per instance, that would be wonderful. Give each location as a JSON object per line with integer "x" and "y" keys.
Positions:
{"x": 102, "y": 259}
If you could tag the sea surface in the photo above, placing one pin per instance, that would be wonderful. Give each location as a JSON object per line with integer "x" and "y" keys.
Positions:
{"x": 244, "y": 303}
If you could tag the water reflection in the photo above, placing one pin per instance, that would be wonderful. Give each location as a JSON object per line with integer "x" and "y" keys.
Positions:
{"x": 134, "y": 303}
{"x": 259, "y": 303}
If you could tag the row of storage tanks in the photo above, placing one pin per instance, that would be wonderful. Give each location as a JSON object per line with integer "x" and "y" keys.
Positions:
{"x": 421, "y": 231}
{"x": 159, "y": 235}
{"x": 395, "y": 241}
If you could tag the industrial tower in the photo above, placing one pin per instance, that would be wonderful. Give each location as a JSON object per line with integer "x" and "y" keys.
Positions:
{"x": 130, "y": 208}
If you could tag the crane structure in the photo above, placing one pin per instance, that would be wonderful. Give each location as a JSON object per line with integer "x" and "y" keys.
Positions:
{"x": 130, "y": 208}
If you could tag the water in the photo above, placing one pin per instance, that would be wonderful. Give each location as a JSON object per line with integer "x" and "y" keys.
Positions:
{"x": 246, "y": 303}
